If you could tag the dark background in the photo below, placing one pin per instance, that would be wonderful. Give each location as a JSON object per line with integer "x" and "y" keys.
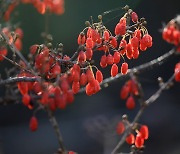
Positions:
{"x": 88, "y": 123}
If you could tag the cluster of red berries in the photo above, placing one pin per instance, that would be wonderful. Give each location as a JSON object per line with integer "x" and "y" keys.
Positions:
{"x": 128, "y": 91}
{"x": 99, "y": 37}
{"x": 53, "y": 6}
{"x": 15, "y": 38}
{"x": 177, "y": 72}
{"x": 60, "y": 77}
{"x": 171, "y": 33}
{"x": 42, "y": 6}
{"x": 138, "y": 140}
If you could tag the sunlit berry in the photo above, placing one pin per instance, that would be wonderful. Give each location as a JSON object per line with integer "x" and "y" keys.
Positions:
{"x": 144, "y": 132}
{"x": 124, "y": 68}
{"x": 106, "y": 35}
{"x": 82, "y": 56}
{"x": 116, "y": 57}
{"x": 103, "y": 61}
{"x": 139, "y": 141}
{"x": 114, "y": 70}
{"x": 130, "y": 139}
{"x": 109, "y": 59}
{"x": 99, "y": 76}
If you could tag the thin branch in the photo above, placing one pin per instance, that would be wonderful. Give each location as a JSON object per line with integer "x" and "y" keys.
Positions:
{"x": 136, "y": 70}
{"x": 18, "y": 79}
{"x": 56, "y": 129}
{"x": 149, "y": 101}
{"x": 13, "y": 49}
{"x": 160, "y": 60}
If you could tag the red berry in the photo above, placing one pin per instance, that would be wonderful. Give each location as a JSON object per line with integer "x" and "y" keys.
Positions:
{"x": 123, "y": 47}
{"x": 114, "y": 70}
{"x": 56, "y": 70}
{"x": 103, "y": 61}
{"x": 18, "y": 44}
{"x": 89, "y": 43}
{"x": 130, "y": 139}
{"x": 33, "y": 123}
{"x": 3, "y": 52}
{"x": 81, "y": 39}
{"x": 92, "y": 87}
{"x": 120, "y": 128}
{"x": 134, "y": 42}
{"x": 89, "y": 89}
{"x": 142, "y": 46}
{"x": 23, "y": 87}
{"x": 144, "y": 132}
{"x": 147, "y": 40}
{"x": 89, "y": 53}
{"x": 64, "y": 85}
{"x": 129, "y": 51}
{"x": 113, "y": 42}
{"x": 135, "y": 53}
{"x": 90, "y": 75}
{"x": 37, "y": 87}
{"x": 124, "y": 68}
{"x": 124, "y": 91}
{"x": 60, "y": 101}
{"x": 120, "y": 29}
{"x": 82, "y": 56}
{"x": 26, "y": 99}
{"x": 106, "y": 35}
{"x": 41, "y": 7}
{"x": 19, "y": 31}
{"x": 139, "y": 141}
{"x": 76, "y": 67}
{"x": 70, "y": 96}
{"x": 137, "y": 33}
{"x": 71, "y": 152}
{"x": 134, "y": 17}
{"x": 177, "y": 72}
{"x": 109, "y": 59}
{"x": 33, "y": 49}
{"x": 75, "y": 76}
{"x": 130, "y": 103}
{"x": 99, "y": 76}
{"x": 83, "y": 79}
{"x": 75, "y": 87}
{"x": 116, "y": 57}
{"x": 45, "y": 98}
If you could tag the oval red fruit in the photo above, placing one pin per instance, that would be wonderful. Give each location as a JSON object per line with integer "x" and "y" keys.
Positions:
{"x": 130, "y": 103}
{"x": 130, "y": 139}
{"x": 114, "y": 70}
{"x": 144, "y": 132}
{"x": 33, "y": 124}
{"x": 120, "y": 128}
{"x": 124, "y": 68}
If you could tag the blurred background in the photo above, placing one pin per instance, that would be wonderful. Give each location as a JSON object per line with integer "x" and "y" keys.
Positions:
{"x": 88, "y": 124}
